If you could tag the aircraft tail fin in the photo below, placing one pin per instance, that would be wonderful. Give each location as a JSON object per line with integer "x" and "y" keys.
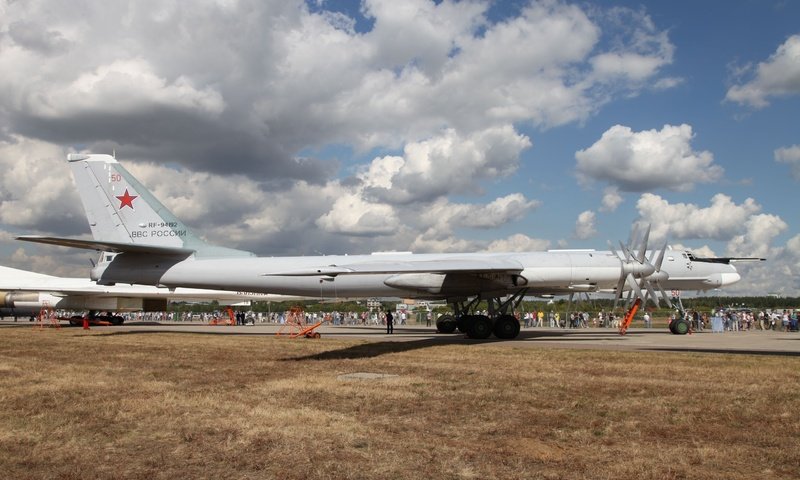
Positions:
{"x": 122, "y": 212}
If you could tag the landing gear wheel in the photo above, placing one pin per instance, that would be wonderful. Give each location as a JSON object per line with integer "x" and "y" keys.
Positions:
{"x": 679, "y": 327}
{"x": 506, "y": 327}
{"x": 479, "y": 327}
{"x": 446, "y": 324}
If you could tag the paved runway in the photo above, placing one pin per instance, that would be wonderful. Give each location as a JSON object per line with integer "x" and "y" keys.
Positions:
{"x": 655, "y": 339}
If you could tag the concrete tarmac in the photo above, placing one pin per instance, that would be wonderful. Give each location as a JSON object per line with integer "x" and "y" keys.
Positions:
{"x": 754, "y": 342}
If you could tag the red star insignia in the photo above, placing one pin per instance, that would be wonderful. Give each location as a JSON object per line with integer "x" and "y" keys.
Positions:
{"x": 126, "y": 200}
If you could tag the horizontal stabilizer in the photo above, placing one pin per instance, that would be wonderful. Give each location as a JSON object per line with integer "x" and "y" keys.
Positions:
{"x": 116, "y": 247}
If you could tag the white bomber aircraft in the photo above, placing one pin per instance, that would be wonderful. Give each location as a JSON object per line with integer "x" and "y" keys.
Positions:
{"x": 24, "y": 292}
{"x": 155, "y": 248}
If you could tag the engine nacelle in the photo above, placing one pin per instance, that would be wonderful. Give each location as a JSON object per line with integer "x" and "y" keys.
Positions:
{"x": 19, "y": 299}
{"x": 37, "y": 300}
{"x": 419, "y": 282}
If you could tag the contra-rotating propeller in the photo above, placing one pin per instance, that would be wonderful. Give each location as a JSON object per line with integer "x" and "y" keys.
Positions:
{"x": 639, "y": 273}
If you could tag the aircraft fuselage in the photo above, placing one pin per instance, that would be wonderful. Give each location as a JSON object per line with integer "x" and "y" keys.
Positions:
{"x": 552, "y": 272}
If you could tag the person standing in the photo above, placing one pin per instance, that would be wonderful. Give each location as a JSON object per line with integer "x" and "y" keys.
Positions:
{"x": 646, "y": 320}
{"x": 389, "y": 322}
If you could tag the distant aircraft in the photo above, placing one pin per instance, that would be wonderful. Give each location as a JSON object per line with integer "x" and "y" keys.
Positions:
{"x": 25, "y": 293}
{"x": 155, "y": 248}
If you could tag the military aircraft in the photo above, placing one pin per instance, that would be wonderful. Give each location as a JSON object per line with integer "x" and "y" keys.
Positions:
{"x": 24, "y": 293}
{"x": 156, "y": 248}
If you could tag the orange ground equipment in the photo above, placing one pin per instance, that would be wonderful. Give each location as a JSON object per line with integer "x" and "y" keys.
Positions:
{"x": 295, "y": 325}
{"x": 626, "y": 322}
{"x": 47, "y": 318}
{"x": 231, "y": 320}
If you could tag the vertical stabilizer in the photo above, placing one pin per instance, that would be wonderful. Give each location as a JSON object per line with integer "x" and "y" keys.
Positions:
{"x": 122, "y": 210}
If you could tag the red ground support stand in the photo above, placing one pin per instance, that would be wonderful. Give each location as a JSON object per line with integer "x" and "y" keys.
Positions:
{"x": 626, "y": 322}
{"x": 231, "y": 320}
{"x": 47, "y": 318}
{"x": 296, "y": 325}
{"x": 308, "y": 332}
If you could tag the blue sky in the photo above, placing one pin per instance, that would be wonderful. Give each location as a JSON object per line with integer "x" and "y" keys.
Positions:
{"x": 346, "y": 127}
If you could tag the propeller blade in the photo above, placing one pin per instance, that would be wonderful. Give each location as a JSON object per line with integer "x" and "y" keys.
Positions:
{"x": 651, "y": 293}
{"x": 664, "y": 295}
{"x": 634, "y": 236}
{"x": 625, "y": 251}
{"x": 660, "y": 258}
{"x": 643, "y": 246}
{"x": 634, "y": 287}
{"x": 618, "y": 292}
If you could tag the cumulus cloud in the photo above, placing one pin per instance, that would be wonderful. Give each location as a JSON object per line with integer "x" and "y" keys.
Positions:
{"x": 445, "y": 215}
{"x": 351, "y": 214}
{"x": 611, "y": 199}
{"x": 778, "y": 76}
{"x": 122, "y": 87}
{"x": 759, "y": 232}
{"x": 745, "y": 231}
{"x": 585, "y": 225}
{"x": 790, "y": 156}
{"x": 778, "y": 275}
{"x": 35, "y": 191}
{"x": 258, "y": 82}
{"x": 721, "y": 220}
{"x": 36, "y": 37}
{"x": 647, "y": 160}
{"x": 518, "y": 243}
{"x": 445, "y": 164}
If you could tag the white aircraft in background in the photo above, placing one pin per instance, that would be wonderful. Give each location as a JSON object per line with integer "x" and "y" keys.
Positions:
{"x": 25, "y": 293}
{"x": 155, "y": 248}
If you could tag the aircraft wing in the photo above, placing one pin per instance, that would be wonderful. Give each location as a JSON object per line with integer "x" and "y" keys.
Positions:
{"x": 14, "y": 280}
{"x": 116, "y": 247}
{"x": 488, "y": 264}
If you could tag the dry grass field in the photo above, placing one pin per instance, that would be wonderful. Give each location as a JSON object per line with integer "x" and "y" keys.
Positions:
{"x": 100, "y": 404}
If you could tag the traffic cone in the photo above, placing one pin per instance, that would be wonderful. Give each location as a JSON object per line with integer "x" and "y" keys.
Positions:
{"x": 86, "y": 323}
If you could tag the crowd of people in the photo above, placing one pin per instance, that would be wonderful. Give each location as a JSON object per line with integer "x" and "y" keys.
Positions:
{"x": 721, "y": 319}
{"x": 737, "y": 320}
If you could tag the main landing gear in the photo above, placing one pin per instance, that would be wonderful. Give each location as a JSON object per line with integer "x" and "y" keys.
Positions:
{"x": 499, "y": 320}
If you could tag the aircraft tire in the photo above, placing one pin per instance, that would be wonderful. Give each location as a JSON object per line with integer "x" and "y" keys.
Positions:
{"x": 116, "y": 320}
{"x": 506, "y": 327}
{"x": 446, "y": 324}
{"x": 680, "y": 327}
{"x": 672, "y": 327}
{"x": 479, "y": 327}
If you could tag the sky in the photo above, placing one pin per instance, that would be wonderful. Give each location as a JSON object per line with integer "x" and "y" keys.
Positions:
{"x": 287, "y": 127}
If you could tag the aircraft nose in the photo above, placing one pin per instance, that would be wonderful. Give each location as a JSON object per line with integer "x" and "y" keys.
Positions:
{"x": 722, "y": 279}
{"x": 729, "y": 278}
